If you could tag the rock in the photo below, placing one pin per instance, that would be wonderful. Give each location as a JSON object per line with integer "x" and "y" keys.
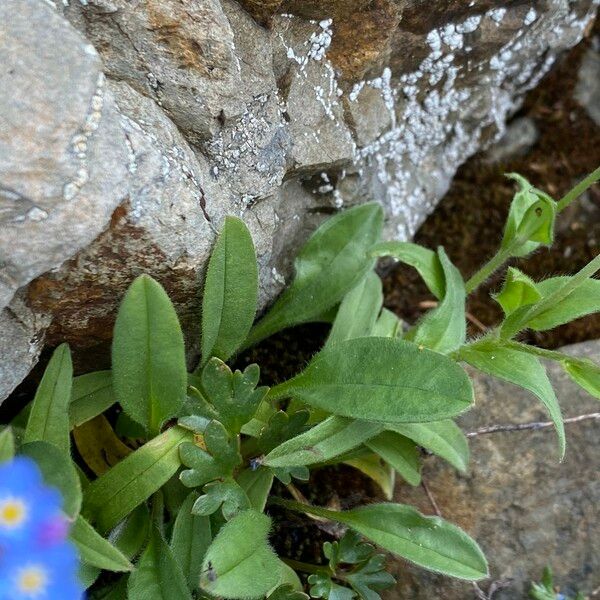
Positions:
{"x": 525, "y": 508}
{"x": 128, "y": 164}
{"x": 587, "y": 92}
{"x": 521, "y": 134}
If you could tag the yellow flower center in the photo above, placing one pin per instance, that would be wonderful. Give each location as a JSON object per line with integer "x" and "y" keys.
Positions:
{"x": 31, "y": 581}
{"x": 13, "y": 512}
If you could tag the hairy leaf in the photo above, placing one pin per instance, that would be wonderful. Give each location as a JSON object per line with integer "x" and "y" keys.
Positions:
{"x": 518, "y": 290}
{"x": 257, "y": 485}
{"x": 586, "y": 374}
{"x": 91, "y": 395}
{"x": 230, "y": 291}
{"x": 387, "y": 325}
{"x": 400, "y": 452}
{"x": 148, "y": 355}
{"x": 7, "y": 444}
{"x": 381, "y": 379}
{"x": 380, "y": 472}
{"x": 329, "y": 265}
{"x": 225, "y": 495}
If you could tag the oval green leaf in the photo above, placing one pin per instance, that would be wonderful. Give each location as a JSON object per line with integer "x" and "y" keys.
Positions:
{"x": 400, "y": 452}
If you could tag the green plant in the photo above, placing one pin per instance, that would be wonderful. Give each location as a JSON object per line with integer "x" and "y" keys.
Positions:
{"x": 187, "y": 498}
{"x": 545, "y": 589}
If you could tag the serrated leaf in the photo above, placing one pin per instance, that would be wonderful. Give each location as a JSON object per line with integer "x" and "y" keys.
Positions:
{"x": 519, "y": 368}
{"x": 96, "y": 550}
{"x": 322, "y": 586}
{"x": 230, "y": 291}
{"x": 148, "y": 355}
{"x": 225, "y": 495}
{"x": 329, "y": 265}
{"x": 330, "y": 438}
{"x": 444, "y": 328}
{"x": 530, "y": 220}
{"x": 430, "y": 542}
{"x": 518, "y": 290}
{"x": 358, "y": 310}
{"x": 234, "y": 396}
{"x": 49, "y": 417}
{"x": 371, "y": 578}
{"x": 132, "y": 481}
{"x": 7, "y": 444}
{"x": 583, "y": 300}
{"x": 257, "y": 484}
{"x": 380, "y": 472}
{"x": 158, "y": 575}
{"x": 58, "y": 471}
{"x": 443, "y": 438}
{"x": 425, "y": 261}
{"x": 281, "y": 427}
{"x": 240, "y": 563}
{"x": 586, "y": 374}
{"x": 91, "y": 395}
{"x": 190, "y": 540}
{"x": 202, "y": 466}
{"x": 400, "y": 452}
{"x": 381, "y": 379}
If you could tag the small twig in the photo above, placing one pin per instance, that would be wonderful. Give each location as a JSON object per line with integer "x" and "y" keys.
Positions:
{"x": 533, "y": 426}
{"x": 431, "y": 499}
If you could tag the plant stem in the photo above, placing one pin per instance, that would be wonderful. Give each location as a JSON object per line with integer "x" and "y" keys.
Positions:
{"x": 304, "y": 567}
{"x": 488, "y": 269}
{"x": 325, "y": 513}
{"x": 575, "y": 192}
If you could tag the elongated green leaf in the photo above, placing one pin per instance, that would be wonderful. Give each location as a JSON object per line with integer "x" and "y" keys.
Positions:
{"x": 49, "y": 416}
{"x": 387, "y": 325}
{"x": 96, "y": 550}
{"x": 381, "y": 379}
{"x": 425, "y": 261}
{"x": 131, "y": 534}
{"x": 443, "y": 438}
{"x": 114, "y": 495}
{"x": 7, "y": 444}
{"x": 444, "y": 328}
{"x": 158, "y": 576}
{"x": 190, "y": 540}
{"x": 519, "y": 368}
{"x": 91, "y": 395}
{"x": 330, "y": 438}
{"x": 58, "y": 471}
{"x": 400, "y": 452}
{"x": 148, "y": 355}
{"x": 239, "y": 563}
{"x": 380, "y": 472}
{"x": 518, "y": 290}
{"x": 430, "y": 542}
{"x": 230, "y": 292}
{"x": 583, "y": 300}
{"x": 585, "y": 374}
{"x": 358, "y": 311}
{"x": 257, "y": 485}
{"x": 330, "y": 264}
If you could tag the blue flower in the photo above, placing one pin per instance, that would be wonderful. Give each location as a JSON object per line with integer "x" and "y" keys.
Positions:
{"x": 37, "y": 562}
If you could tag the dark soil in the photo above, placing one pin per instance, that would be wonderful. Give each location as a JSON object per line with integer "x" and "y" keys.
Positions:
{"x": 470, "y": 219}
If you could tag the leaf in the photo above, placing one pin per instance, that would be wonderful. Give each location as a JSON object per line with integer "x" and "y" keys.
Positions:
{"x": 157, "y": 576}
{"x": 58, "y": 471}
{"x": 49, "y": 417}
{"x": 583, "y": 300}
{"x": 329, "y": 265}
{"x": 400, "y": 452}
{"x": 129, "y": 483}
{"x": 430, "y": 542}
{"x": 380, "y": 472}
{"x": 358, "y": 311}
{"x": 444, "y": 328}
{"x": 286, "y": 592}
{"x": 586, "y": 374}
{"x": 281, "y": 427}
{"x": 96, "y": 550}
{"x": 322, "y": 586}
{"x": 240, "y": 563}
{"x": 519, "y": 368}
{"x": 381, "y": 379}
{"x": 530, "y": 221}
{"x": 190, "y": 540}
{"x": 148, "y": 355}
{"x": 371, "y": 578}
{"x": 98, "y": 445}
{"x": 443, "y": 438}
{"x": 518, "y": 290}
{"x": 91, "y": 395}
{"x": 425, "y": 261}
{"x": 230, "y": 292}
{"x": 330, "y": 438}
{"x": 387, "y": 325}
{"x": 234, "y": 395}
{"x": 131, "y": 534}
{"x": 257, "y": 485}
{"x": 225, "y": 495}
{"x": 7, "y": 444}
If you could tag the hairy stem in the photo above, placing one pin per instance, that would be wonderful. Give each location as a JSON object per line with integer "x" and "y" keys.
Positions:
{"x": 574, "y": 193}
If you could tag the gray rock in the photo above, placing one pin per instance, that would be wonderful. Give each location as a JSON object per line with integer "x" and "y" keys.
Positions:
{"x": 205, "y": 112}
{"x": 520, "y": 135}
{"x": 525, "y": 508}
{"x": 587, "y": 91}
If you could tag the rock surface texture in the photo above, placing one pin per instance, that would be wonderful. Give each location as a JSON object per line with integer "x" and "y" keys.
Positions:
{"x": 129, "y": 129}
{"x": 524, "y": 508}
